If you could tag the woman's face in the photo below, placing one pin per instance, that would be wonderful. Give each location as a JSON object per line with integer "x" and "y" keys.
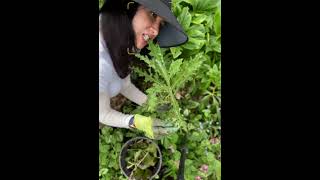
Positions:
{"x": 146, "y": 26}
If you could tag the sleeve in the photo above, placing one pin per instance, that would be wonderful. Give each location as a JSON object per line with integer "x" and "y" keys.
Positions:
{"x": 109, "y": 116}
{"x": 132, "y": 93}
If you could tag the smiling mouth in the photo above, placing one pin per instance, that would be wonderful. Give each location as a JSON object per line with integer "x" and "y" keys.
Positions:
{"x": 146, "y": 37}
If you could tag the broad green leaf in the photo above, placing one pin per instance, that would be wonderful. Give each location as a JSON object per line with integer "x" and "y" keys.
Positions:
{"x": 195, "y": 137}
{"x": 217, "y": 20}
{"x": 199, "y": 18}
{"x": 188, "y": 162}
{"x": 176, "y": 155}
{"x": 101, "y": 3}
{"x": 199, "y": 27}
{"x": 218, "y": 169}
{"x": 119, "y": 136}
{"x": 185, "y": 18}
{"x": 196, "y": 34}
{"x": 176, "y": 7}
{"x": 213, "y": 45}
{"x": 211, "y": 158}
{"x": 210, "y": 22}
{"x": 202, "y": 5}
{"x": 194, "y": 44}
{"x": 173, "y": 138}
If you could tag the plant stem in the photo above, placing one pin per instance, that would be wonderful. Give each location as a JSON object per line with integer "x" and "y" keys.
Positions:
{"x": 142, "y": 159}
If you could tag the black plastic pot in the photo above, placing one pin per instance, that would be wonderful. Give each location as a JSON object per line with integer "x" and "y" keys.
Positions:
{"x": 123, "y": 154}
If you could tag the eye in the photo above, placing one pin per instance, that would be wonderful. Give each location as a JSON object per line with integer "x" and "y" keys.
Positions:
{"x": 154, "y": 15}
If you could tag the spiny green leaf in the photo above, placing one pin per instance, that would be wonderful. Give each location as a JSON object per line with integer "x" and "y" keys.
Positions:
{"x": 174, "y": 67}
{"x": 175, "y": 51}
{"x": 188, "y": 69}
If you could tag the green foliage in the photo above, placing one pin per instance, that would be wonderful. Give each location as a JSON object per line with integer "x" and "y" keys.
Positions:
{"x": 183, "y": 85}
{"x": 101, "y": 3}
{"x": 110, "y": 142}
{"x": 168, "y": 77}
{"x": 141, "y": 159}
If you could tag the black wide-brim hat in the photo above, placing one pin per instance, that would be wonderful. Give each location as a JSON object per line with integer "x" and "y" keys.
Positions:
{"x": 172, "y": 33}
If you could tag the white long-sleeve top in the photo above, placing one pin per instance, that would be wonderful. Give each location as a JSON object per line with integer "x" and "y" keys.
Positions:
{"x": 110, "y": 85}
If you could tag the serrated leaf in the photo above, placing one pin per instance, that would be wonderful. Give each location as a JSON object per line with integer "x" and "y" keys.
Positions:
{"x": 188, "y": 69}
{"x": 175, "y": 51}
{"x": 174, "y": 67}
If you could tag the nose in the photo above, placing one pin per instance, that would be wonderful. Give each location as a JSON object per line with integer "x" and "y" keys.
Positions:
{"x": 154, "y": 31}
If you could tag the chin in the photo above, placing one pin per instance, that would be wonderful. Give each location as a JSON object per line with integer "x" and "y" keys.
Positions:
{"x": 140, "y": 46}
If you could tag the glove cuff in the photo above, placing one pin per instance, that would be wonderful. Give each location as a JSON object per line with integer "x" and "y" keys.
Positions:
{"x": 144, "y": 123}
{"x": 131, "y": 123}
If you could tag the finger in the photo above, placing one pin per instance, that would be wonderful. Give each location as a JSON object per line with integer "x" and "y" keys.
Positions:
{"x": 164, "y": 131}
{"x": 159, "y": 123}
{"x": 159, "y": 131}
{"x": 171, "y": 129}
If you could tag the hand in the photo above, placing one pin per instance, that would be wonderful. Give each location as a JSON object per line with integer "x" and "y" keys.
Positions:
{"x": 152, "y": 127}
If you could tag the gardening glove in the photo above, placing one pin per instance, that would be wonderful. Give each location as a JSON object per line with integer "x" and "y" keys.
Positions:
{"x": 152, "y": 127}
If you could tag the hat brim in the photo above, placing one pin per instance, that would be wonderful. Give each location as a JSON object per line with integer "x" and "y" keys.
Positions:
{"x": 171, "y": 34}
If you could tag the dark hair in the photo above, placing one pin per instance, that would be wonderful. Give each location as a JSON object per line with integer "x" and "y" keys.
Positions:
{"x": 118, "y": 33}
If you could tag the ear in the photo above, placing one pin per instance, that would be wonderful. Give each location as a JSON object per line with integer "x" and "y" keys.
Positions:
{"x": 128, "y": 4}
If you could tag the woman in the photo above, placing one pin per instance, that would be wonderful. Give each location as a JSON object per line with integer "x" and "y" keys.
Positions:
{"x": 125, "y": 27}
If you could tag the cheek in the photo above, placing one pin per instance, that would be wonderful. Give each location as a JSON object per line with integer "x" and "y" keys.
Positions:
{"x": 135, "y": 25}
{"x": 140, "y": 23}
